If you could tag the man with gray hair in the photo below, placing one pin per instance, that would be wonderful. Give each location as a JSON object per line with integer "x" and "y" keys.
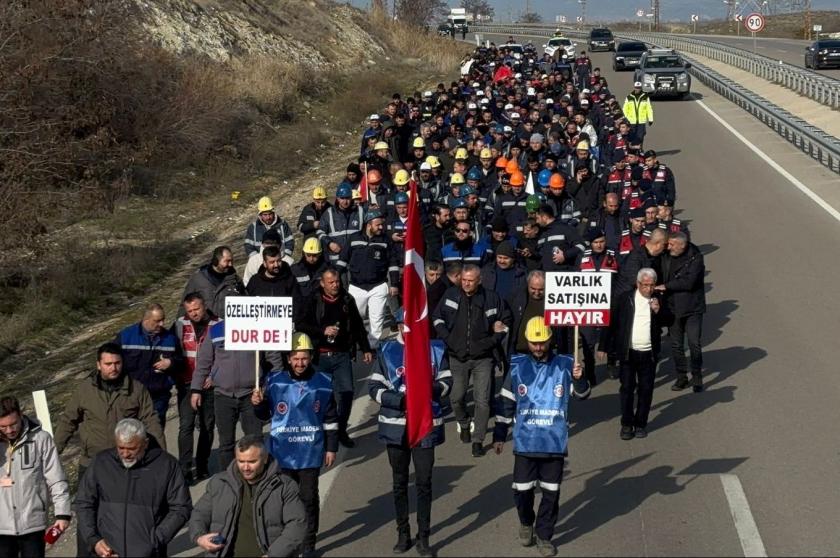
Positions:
{"x": 132, "y": 500}
{"x": 634, "y": 337}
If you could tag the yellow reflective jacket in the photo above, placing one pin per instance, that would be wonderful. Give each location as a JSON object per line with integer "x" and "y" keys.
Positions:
{"x": 637, "y": 109}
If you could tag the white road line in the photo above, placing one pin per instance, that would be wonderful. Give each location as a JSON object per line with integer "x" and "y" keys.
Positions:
{"x": 742, "y": 516}
{"x": 778, "y": 168}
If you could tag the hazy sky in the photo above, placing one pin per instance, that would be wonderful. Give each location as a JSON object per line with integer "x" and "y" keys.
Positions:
{"x": 617, "y": 9}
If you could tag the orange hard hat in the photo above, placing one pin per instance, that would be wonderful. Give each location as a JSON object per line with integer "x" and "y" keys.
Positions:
{"x": 501, "y": 162}
{"x": 517, "y": 179}
{"x": 374, "y": 176}
{"x": 512, "y": 166}
{"x": 557, "y": 181}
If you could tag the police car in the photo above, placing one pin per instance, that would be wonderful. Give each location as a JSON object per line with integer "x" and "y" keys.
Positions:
{"x": 555, "y": 44}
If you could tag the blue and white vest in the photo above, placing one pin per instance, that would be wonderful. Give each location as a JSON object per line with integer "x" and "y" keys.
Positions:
{"x": 542, "y": 391}
{"x": 297, "y": 419}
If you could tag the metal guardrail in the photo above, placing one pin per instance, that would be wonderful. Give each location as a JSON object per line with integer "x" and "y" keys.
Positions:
{"x": 811, "y": 140}
{"x": 822, "y": 89}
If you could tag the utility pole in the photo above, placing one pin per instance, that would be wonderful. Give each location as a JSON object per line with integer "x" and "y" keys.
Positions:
{"x": 808, "y": 19}
{"x": 655, "y": 5}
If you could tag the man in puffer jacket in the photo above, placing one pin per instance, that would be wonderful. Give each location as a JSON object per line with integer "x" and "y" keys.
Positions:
{"x": 32, "y": 479}
{"x": 249, "y": 509}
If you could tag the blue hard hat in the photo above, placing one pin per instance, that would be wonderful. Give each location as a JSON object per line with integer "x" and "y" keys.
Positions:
{"x": 544, "y": 177}
{"x": 372, "y": 214}
{"x": 475, "y": 174}
{"x": 344, "y": 191}
{"x": 466, "y": 191}
{"x": 400, "y": 198}
{"x": 455, "y": 203}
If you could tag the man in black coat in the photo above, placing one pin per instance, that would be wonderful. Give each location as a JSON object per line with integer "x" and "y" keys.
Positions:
{"x": 683, "y": 286}
{"x": 132, "y": 500}
{"x": 634, "y": 338}
{"x": 643, "y": 256}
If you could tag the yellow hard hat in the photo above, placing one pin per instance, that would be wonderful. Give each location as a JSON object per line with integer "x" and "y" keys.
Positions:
{"x": 357, "y": 195}
{"x": 265, "y": 204}
{"x": 319, "y": 193}
{"x": 311, "y": 246}
{"x": 583, "y": 146}
{"x": 485, "y": 154}
{"x": 301, "y": 342}
{"x": 456, "y": 178}
{"x": 433, "y": 161}
{"x": 401, "y": 178}
{"x": 380, "y": 145}
{"x": 536, "y": 331}
{"x": 419, "y": 143}
{"x": 461, "y": 154}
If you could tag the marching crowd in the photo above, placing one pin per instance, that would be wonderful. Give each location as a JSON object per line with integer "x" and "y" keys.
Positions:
{"x": 526, "y": 165}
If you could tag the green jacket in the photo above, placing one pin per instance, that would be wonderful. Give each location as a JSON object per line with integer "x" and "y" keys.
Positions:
{"x": 95, "y": 412}
{"x": 637, "y": 109}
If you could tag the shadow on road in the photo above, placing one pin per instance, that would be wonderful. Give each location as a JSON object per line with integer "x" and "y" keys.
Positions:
{"x": 603, "y": 500}
{"x": 490, "y": 502}
{"x": 379, "y": 511}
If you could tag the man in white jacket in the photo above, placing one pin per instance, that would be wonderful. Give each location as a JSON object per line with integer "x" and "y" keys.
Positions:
{"x": 31, "y": 476}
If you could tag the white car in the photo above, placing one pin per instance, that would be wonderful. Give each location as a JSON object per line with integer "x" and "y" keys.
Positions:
{"x": 556, "y": 43}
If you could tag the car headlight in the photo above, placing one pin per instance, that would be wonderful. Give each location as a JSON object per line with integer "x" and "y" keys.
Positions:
{"x": 682, "y": 77}
{"x": 649, "y": 78}
{"x": 619, "y": 58}
{"x": 824, "y": 51}
{"x": 517, "y": 55}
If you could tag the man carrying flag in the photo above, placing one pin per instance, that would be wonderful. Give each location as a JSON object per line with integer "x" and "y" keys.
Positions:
{"x": 411, "y": 376}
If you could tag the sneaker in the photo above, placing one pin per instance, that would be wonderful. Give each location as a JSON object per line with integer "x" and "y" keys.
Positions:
{"x": 681, "y": 383}
{"x": 626, "y": 433}
{"x": 422, "y": 547}
{"x": 546, "y": 548}
{"x": 477, "y": 449}
{"x": 403, "y": 542}
{"x": 640, "y": 432}
{"x": 346, "y": 441}
{"x": 526, "y": 535}
{"x": 612, "y": 371}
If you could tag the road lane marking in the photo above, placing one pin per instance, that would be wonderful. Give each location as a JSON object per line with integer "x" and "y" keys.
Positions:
{"x": 778, "y": 168}
{"x": 742, "y": 516}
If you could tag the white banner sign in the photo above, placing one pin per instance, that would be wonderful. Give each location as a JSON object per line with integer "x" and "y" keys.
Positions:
{"x": 578, "y": 298}
{"x": 258, "y": 323}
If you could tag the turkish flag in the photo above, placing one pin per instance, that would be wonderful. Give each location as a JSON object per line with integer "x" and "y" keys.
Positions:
{"x": 363, "y": 185}
{"x": 418, "y": 353}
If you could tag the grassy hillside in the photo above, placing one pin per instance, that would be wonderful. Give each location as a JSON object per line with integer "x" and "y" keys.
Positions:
{"x": 124, "y": 128}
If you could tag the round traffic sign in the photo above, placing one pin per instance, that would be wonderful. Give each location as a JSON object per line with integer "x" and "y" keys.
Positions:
{"x": 754, "y": 22}
{"x": 640, "y": 13}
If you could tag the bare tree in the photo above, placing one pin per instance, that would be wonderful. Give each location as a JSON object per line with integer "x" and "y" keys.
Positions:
{"x": 478, "y": 8}
{"x": 530, "y": 17}
{"x": 420, "y": 12}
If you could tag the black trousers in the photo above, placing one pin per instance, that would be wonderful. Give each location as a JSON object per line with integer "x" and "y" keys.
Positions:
{"x": 307, "y": 480}
{"x": 690, "y": 328}
{"x": 230, "y": 410}
{"x": 188, "y": 419}
{"x": 637, "y": 373}
{"x": 30, "y": 545}
{"x": 424, "y": 460}
{"x": 590, "y": 336}
{"x": 547, "y": 473}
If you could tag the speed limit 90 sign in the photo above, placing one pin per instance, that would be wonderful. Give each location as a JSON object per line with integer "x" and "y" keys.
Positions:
{"x": 754, "y": 23}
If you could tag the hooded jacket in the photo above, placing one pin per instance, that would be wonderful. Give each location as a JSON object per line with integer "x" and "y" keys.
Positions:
{"x": 138, "y": 510}
{"x": 279, "y": 517}
{"x": 38, "y": 480}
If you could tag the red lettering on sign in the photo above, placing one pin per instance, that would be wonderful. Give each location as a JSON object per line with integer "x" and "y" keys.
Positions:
{"x": 594, "y": 318}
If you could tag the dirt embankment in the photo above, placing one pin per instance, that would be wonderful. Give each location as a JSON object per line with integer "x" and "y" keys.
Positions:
{"x": 125, "y": 127}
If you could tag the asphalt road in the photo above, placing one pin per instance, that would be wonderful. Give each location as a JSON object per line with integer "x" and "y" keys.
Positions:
{"x": 791, "y": 51}
{"x": 766, "y": 423}
{"x": 767, "y": 416}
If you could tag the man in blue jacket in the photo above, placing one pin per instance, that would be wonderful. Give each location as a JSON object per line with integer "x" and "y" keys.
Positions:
{"x": 299, "y": 403}
{"x": 387, "y": 387}
{"x": 537, "y": 392}
{"x": 151, "y": 355}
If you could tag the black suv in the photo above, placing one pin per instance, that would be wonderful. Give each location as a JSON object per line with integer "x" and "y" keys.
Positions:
{"x": 601, "y": 39}
{"x": 823, "y": 54}
{"x": 628, "y": 54}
